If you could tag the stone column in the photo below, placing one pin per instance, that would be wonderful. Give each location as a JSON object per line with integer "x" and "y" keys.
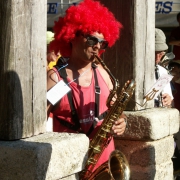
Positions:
{"x": 22, "y": 68}
{"x": 27, "y": 152}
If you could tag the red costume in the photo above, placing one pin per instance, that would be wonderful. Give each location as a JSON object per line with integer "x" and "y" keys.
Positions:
{"x": 86, "y": 18}
{"x": 84, "y": 101}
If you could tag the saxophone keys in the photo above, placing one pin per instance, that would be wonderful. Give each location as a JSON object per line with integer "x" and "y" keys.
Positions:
{"x": 106, "y": 129}
{"x": 113, "y": 117}
{"x": 102, "y": 135}
{"x": 97, "y": 149}
{"x": 91, "y": 161}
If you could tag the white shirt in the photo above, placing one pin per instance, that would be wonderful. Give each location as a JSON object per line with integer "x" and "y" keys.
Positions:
{"x": 167, "y": 88}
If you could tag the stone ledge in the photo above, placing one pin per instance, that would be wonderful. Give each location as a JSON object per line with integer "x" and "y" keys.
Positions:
{"x": 151, "y": 124}
{"x": 48, "y": 156}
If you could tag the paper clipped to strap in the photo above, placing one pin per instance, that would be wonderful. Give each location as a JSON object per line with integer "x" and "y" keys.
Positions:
{"x": 57, "y": 92}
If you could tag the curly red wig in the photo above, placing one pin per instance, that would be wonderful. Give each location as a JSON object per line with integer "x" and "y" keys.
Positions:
{"x": 87, "y": 17}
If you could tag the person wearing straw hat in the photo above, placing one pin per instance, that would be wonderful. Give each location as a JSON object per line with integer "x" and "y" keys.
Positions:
{"x": 160, "y": 50}
{"x": 165, "y": 99}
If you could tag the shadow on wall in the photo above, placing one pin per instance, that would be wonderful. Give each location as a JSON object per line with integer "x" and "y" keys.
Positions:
{"x": 11, "y": 108}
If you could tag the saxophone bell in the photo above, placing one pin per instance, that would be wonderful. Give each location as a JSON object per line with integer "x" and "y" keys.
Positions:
{"x": 116, "y": 168}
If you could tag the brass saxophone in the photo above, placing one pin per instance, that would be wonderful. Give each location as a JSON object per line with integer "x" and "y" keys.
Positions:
{"x": 117, "y": 167}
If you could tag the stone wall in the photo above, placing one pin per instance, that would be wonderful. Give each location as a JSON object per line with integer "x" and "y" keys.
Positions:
{"x": 148, "y": 143}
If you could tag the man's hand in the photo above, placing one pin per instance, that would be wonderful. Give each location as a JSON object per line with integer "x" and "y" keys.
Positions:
{"x": 119, "y": 126}
{"x": 166, "y": 100}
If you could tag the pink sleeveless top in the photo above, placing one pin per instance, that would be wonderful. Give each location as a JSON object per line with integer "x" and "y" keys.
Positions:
{"x": 84, "y": 101}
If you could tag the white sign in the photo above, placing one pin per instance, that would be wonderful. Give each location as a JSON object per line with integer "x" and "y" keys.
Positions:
{"x": 160, "y": 84}
{"x": 57, "y": 92}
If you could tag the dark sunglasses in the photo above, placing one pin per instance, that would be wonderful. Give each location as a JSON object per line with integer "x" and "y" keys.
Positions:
{"x": 91, "y": 41}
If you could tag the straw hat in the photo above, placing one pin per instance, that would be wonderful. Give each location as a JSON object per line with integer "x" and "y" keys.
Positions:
{"x": 160, "y": 40}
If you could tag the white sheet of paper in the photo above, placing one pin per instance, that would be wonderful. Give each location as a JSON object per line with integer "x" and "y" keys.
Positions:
{"x": 57, "y": 92}
{"x": 159, "y": 85}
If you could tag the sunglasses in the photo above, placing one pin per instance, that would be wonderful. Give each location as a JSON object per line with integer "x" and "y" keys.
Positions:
{"x": 91, "y": 41}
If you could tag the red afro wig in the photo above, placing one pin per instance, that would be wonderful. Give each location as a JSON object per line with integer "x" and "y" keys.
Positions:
{"x": 87, "y": 17}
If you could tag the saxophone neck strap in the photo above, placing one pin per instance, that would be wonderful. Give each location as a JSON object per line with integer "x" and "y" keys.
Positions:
{"x": 97, "y": 91}
{"x": 74, "y": 114}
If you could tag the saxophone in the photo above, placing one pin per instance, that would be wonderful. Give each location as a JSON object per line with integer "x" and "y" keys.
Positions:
{"x": 117, "y": 167}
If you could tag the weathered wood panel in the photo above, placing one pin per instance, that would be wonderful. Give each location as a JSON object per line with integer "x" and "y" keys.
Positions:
{"x": 133, "y": 54}
{"x": 22, "y": 68}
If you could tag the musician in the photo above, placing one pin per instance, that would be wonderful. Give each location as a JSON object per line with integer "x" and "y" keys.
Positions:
{"x": 84, "y": 32}
{"x": 165, "y": 98}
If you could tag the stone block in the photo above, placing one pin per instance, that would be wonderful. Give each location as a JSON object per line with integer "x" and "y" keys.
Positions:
{"x": 144, "y": 154}
{"x": 151, "y": 124}
{"x": 48, "y": 156}
{"x": 154, "y": 172}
